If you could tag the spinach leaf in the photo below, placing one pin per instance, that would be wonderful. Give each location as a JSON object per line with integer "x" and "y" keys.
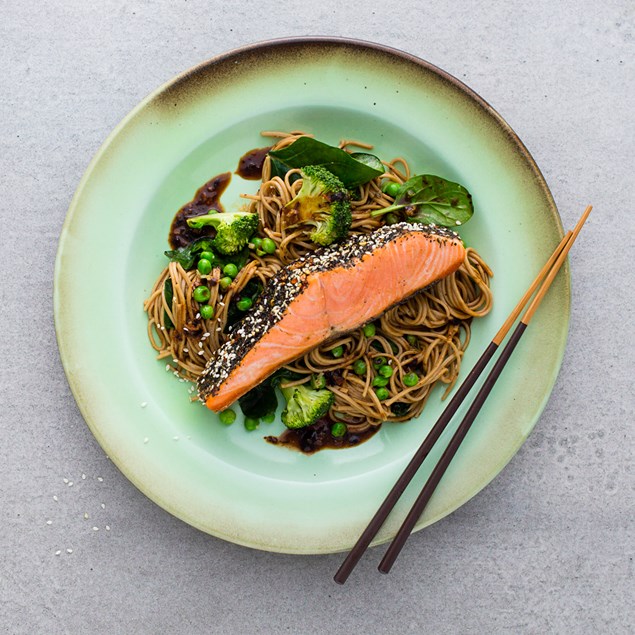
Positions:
{"x": 283, "y": 374}
{"x": 399, "y": 408}
{"x": 370, "y": 160}
{"x": 307, "y": 151}
{"x": 261, "y": 400}
{"x": 252, "y": 290}
{"x": 186, "y": 256}
{"x": 427, "y": 198}
{"x": 279, "y": 168}
{"x": 168, "y": 293}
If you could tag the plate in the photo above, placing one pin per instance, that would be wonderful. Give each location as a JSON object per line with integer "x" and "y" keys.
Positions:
{"x": 224, "y": 480}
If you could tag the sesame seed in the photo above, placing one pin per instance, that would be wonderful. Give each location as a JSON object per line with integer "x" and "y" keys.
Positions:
{"x": 186, "y": 350}
{"x": 69, "y": 551}
{"x": 201, "y": 353}
{"x": 55, "y": 498}
{"x": 70, "y": 483}
{"x": 168, "y": 367}
{"x": 107, "y": 527}
{"x": 58, "y": 552}
{"x": 95, "y": 528}
{"x": 175, "y": 438}
{"x": 103, "y": 506}
{"x": 144, "y": 404}
{"x": 145, "y": 440}
{"x": 100, "y": 479}
{"x": 49, "y": 522}
{"x": 65, "y": 480}
{"x": 85, "y": 515}
{"x": 83, "y": 477}
{"x": 198, "y": 316}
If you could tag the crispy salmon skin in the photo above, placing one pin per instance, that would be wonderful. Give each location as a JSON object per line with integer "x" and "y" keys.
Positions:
{"x": 322, "y": 295}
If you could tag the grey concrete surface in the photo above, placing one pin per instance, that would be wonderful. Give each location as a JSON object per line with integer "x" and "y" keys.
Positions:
{"x": 546, "y": 548}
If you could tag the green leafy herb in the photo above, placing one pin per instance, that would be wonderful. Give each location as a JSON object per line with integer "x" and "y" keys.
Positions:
{"x": 168, "y": 294}
{"x": 305, "y": 151}
{"x": 399, "y": 408}
{"x": 370, "y": 160}
{"x": 427, "y": 198}
{"x": 261, "y": 400}
{"x": 252, "y": 290}
{"x": 187, "y": 256}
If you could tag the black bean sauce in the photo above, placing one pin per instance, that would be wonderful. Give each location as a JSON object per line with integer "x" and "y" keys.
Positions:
{"x": 250, "y": 164}
{"x": 206, "y": 198}
{"x": 318, "y": 437}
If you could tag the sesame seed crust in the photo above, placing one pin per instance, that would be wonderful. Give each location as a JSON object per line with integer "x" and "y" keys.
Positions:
{"x": 289, "y": 283}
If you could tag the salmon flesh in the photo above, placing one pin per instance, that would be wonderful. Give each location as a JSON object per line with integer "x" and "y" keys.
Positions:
{"x": 323, "y": 295}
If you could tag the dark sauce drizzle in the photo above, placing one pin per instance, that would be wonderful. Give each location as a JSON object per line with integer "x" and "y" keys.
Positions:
{"x": 250, "y": 164}
{"x": 318, "y": 437}
{"x": 206, "y": 198}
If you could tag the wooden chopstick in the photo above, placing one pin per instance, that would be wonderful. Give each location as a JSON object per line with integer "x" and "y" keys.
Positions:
{"x": 411, "y": 469}
{"x": 426, "y": 493}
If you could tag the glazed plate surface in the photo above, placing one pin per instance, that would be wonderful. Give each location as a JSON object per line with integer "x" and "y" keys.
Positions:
{"x": 224, "y": 480}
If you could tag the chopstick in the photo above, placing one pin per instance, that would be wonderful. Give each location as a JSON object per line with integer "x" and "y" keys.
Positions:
{"x": 446, "y": 458}
{"x": 420, "y": 455}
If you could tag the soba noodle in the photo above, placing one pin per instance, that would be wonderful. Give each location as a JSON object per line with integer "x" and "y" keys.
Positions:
{"x": 426, "y": 335}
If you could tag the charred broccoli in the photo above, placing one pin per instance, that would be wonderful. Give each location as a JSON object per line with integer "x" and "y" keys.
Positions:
{"x": 305, "y": 405}
{"x": 233, "y": 229}
{"x": 322, "y": 201}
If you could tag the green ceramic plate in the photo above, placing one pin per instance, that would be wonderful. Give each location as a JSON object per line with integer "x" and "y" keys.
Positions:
{"x": 228, "y": 482}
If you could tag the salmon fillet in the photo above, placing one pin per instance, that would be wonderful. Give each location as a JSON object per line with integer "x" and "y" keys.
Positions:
{"x": 320, "y": 296}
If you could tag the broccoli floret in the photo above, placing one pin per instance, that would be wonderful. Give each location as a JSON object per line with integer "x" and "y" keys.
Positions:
{"x": 322, "y": 201}
{"x": 233, "y": 229}
{"x": 305, "y": 405}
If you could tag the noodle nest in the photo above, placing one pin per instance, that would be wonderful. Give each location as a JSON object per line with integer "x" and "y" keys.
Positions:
{"x": 426, "y": 335}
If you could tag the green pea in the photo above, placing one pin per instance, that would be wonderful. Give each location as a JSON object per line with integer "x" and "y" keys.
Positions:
{"x": 268, "y": 246}
{"x": 244, "y": 304}
{"x": 338, "y": 351}
{"x": 207, "y": 312}
{"x": 380, "y": 382}
{"x": 391, "y": 219}
{"x": 251, "y": 423}
{"x": 359, "y": 367}
{"x": 318, "y": 381}
{"x": 225, "y": 282}
{"x": 256, "y": 242}
{"x": 201, "y": 294}
{"x": 227, "y": 417}
{"x": 207, "y": 255}
{"x": 385, "y": 371}
{"x": 412, "y": 340}
{"x": 391, "y": 188}
{"x": 379, "y": 361}
{"x": 369, "y": 330}
{"x": 338, "y": 429}
{"x": 382, "y": 393}
{"x": 204, "y": 266}
{"x": 270, "y": 417}
{"x": 411, "y": 379}
{"x": 230, "y": 269}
